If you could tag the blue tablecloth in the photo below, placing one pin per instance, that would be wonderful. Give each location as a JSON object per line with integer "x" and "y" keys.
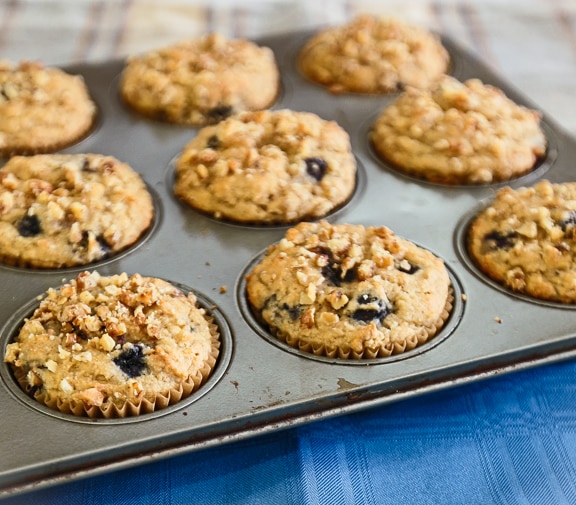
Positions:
{"x": 507, "y": 440}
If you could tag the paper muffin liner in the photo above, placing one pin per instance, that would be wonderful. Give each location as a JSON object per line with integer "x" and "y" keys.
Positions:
{"x": 383, "y": 351}
{"x": 129, "y": 409}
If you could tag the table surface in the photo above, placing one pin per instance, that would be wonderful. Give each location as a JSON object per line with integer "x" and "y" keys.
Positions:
{"x": 506, "y": 440}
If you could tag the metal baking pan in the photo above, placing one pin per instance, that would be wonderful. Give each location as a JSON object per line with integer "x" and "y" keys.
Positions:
{"x": 259, "y": 385}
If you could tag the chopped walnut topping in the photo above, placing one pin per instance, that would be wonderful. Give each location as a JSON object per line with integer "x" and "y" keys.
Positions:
{"x": 6, "y": 202}
{"x": 75, "y": 312}
{"x": 63, "y": 353}
{"x": 102, "y": 352}
{"x": 308, "y": 296}
{"x": 85, "y": 356}
{"x": 337, "y": 299}
{"x": 65, "y": 386}
{"x": 33, "y": 379}
{"x": 87, "y": 280}
{"x": 302, "y": 277}
{"x": 307, "y": 318}
{"x": 366, "y": 270}
{"x": 76, "y": 233}
{"x": 70, "y": 339}
{"x": 92, "y": 396}
{"x": 107, "y": 342}
{"x": 116, "y": 328}
{"x": 328, "y": 318}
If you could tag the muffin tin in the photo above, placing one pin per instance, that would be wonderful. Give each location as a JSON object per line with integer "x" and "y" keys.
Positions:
{"x": 259, "y": 384}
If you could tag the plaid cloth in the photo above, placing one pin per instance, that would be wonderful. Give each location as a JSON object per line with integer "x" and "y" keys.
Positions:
{"x": 530, "y": 42}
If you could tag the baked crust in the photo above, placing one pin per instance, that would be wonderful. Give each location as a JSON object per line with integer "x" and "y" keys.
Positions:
{"x": 201, "y": 81}
{"x": 64, "y": 210}
{"x": 372, "y": 54}
{"x": 42, "y": 109}
{"x": 459, "y": 133}
{"x": 349, "y": 291}
{"x": 525, "y": 239}
{"x": 267, "y": 167}
{"x": 114, "y": 346}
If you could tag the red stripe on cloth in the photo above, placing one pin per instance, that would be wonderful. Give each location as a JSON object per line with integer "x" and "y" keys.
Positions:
{"x": 121, "y": 28}
{"x": 567, "y": 22}
{"x": 89, "y": 32}
{"x": 477, "y": 33}
{"x": 9, "y": 11}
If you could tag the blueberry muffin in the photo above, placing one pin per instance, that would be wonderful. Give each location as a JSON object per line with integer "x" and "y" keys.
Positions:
{"x": 60, "y": 210}
{"x": 114, "y": 346}
{"x": 525, "y": 240}
{"x": 267, "y": 167}
{"x": 201, "y": 81}
{"x": 459, "y": 133}
{"x": 42, "y": 109}
{"x": 373, "y": 54}
{"x": 349, "y": 291}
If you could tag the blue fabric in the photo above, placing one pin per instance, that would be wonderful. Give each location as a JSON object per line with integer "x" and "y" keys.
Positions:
{"x": 509, "y": 440}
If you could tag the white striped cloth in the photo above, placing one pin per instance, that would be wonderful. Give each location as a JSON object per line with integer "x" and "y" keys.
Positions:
{"x": 532, "y": 43}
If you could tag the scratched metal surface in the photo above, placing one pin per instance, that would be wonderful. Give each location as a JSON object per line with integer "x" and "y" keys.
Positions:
{"x": 259, "y": 385}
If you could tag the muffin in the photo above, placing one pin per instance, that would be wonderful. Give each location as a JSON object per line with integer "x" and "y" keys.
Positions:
{"x": 459, "y": 133}
{"x": 42, "y": 109}
{"x": 201, "y": 81}
{"x": 525, "y": 240}
{"x": 267, "y": 167}
{"x": 60, "y": 210}
{"x": 372, "y": 54}
{"x": 114, "y": 346}
{"x": 349, "y": 291}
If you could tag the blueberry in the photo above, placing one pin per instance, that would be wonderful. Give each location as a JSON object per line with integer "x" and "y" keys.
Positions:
{"x": 132, "y": 361}
{"x": 219, "y": 113}
{"x": 213, "y": 142}
{"x": 569, "y": 222}
{"x": 86, "y": 167}
{"x": 410, "y": 269}
{"x": 29, "y": 226}
{"x": 81, "y": 334}
{"x": 333, "y": 274}
{"x": 373, "y": 313}
{"x": 104, "y": 247}
{"x": 293, "y": 312}
{"x": 498, "y": 240}
{"x": 316, "y": 168}
{"x": 280, "y": 310}
{"x": 368, "y": 315}
{"x": 365, "y": 299}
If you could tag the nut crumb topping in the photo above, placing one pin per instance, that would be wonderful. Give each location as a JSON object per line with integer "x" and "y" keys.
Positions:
{"x": 349, "y": 287}
{"x": 131, "y": 337}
